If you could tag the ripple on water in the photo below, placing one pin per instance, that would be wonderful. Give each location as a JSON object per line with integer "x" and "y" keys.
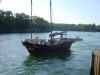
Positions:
{"x": 15, "y": 59}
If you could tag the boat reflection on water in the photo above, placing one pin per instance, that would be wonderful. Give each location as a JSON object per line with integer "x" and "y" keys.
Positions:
{"x": 35, "y": 59}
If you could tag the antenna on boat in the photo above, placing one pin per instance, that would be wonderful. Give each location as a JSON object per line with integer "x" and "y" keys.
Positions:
{"x": 31, "y": 19}
{"x": 51, "y": 21}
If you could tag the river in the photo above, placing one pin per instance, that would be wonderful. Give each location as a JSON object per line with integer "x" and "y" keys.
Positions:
{"x": 15, "y": 59}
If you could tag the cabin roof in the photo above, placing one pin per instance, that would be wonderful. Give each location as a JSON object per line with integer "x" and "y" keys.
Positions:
{"x": 57, "y": 33}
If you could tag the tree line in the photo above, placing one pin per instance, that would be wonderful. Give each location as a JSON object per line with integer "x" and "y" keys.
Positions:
{"x": 20, "y": 22}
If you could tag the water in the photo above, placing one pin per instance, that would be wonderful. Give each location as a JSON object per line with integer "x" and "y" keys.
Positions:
{"x": 15, "y": 59}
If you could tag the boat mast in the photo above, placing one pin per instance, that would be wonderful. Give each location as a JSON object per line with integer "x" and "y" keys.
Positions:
{"x": 31, "y": 19}
{"x": 51, "y": 21}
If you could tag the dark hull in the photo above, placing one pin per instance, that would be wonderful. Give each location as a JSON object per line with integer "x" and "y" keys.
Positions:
{"x": 35, "y": 49}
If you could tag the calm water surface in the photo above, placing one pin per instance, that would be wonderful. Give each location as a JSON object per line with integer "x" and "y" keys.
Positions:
{"x": 15, "y": 59}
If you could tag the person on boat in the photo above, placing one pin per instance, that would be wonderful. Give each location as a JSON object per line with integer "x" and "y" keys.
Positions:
{"x": 36, "y": 37}
{"x": 78, "y": 37}
{"x": 41, "y": 42}
{"x": 61, "y": 36}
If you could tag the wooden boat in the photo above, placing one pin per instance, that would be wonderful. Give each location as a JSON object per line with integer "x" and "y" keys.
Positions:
{"x": 41, "y": 46}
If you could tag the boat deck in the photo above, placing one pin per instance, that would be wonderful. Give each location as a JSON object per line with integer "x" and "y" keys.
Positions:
{"x": 71, "y": 39}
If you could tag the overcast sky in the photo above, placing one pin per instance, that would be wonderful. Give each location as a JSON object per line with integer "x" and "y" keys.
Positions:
{"x": 64, "y": 11}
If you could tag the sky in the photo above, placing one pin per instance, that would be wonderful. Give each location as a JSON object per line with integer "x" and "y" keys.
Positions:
{"x": 63, "y": 11}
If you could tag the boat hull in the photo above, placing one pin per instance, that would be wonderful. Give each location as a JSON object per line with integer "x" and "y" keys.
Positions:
{"x": 35, "y": 49}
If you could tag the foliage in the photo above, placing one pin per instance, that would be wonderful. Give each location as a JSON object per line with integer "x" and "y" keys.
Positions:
{"x": 20, "y": 22}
